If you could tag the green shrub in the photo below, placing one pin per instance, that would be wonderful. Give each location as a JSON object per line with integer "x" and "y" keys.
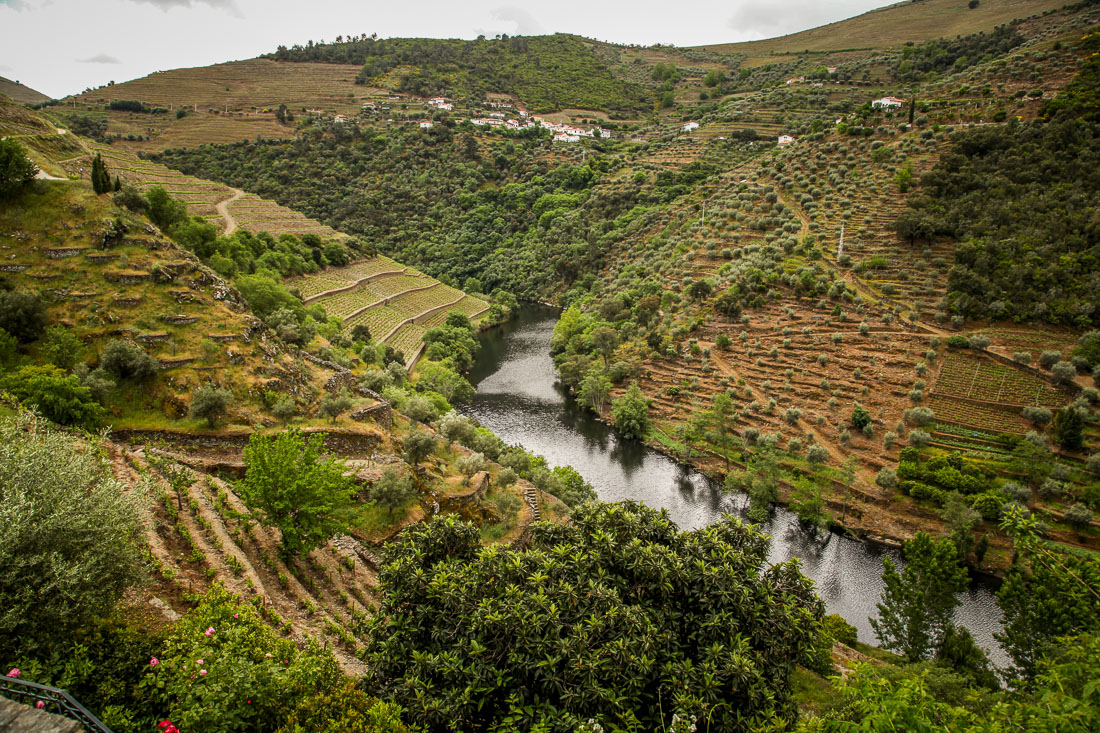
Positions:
{"x": 344, "y": 710}
{"x": 23, "y": 315}
{"x": 223, "y": 669}
{"x": 16, "y": 169}
{"x": 210, "y": 403}
{"x": 127, "y": 360}
{"x": 59, "y": 396}
{"x": 69, "y": 535}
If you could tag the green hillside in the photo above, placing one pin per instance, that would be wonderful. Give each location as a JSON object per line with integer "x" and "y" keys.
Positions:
{"x": 727, "y": 264}
{"x": 853, "y": 272}
{"x": 546, "y": 73}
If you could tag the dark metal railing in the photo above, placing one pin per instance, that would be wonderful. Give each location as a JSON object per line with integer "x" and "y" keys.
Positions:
{"x": 56, "y": 701}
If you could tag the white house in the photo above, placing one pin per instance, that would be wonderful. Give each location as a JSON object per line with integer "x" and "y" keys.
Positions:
{"x": 691, "y": 126}
{"x": 796, "y": 80}
{"x": 499, "y": 115}
{"x": 888, "y": 103}
{"x": 340, "y": 119}
{"x": 561, "y": 137}
{"x": 785, "y": 139}
{"x": 602, "y": 132}
{"x": 425, "y": 125}
{"x": 830, "y": 69}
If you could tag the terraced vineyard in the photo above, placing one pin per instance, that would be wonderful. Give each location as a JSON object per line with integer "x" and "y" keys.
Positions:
{"x": 1031, "y": 339}
{"x": 201, "y": 196}
{"x": 256, "y": 214}
{"x": 349, "y": 302}
{"x": 345, "y": 277}
{"x": 980, "y": 416}
{"x": 227, "y": 102}
{"x": 977, "y": 378}
{"x": 397, "y": 305}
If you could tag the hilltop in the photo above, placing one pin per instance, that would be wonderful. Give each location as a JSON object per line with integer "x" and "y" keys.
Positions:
{"x": 21, "y": 93}
{"x": 911, "y": 21}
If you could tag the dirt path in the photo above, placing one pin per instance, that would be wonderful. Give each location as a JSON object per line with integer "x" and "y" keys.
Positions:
{"x": 222, "y": 208}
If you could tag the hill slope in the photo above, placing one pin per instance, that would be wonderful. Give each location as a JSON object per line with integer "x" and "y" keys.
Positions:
{"x": 21, "y": 93}
{"x": 894, "y": 25}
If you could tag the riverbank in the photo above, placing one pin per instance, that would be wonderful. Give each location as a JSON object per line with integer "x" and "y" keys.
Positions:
{"x": 518, "y": 398}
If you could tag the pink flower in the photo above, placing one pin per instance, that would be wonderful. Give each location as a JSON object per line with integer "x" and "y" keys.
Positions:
{"x": 202, "y": 672}
{"x": 210, "y": 631}
{"x": 198, "y": 662}
{"x": 268, "y": 655}
{"x": 154, "y": 662}
{"x": 14, "y": 672}
{"x": 236, "y": 615}
{"x": 40, "y": 704}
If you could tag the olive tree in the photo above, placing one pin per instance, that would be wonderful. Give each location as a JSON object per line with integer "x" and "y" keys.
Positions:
{"x": 69, "y": 535}
{"x": 210, "y": 403}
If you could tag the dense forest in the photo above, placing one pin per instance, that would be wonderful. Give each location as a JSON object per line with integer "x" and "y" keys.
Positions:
{"x": 1022, "y": 201}
{"x": 919, "y": 62}
{"x": 511, "y": 216}
{"x": 547, "y": 73}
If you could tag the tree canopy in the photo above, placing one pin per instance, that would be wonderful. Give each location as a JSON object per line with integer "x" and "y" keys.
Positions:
{"x": 295, "y": 488}
{"x": 617, "y": 617}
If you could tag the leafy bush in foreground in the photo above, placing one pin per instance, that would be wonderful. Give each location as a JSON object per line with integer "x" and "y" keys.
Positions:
{"x": 68, "y": 535}
{"x": 617, "y": 616}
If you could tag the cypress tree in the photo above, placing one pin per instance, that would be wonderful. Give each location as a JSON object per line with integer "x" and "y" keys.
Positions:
{"x": 118, "y": 183}
{"x": 101, "y": 178}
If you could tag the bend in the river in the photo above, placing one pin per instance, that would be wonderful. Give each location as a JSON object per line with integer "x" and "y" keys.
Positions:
{"x": 518, "y": 398}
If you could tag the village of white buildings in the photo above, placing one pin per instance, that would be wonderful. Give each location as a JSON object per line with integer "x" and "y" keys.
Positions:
{"x": 517, "y": 118}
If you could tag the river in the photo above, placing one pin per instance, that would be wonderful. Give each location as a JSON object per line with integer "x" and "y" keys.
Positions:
{"x": 518, "y": 398}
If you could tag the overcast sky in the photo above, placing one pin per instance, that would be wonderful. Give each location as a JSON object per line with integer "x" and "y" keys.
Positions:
{"x": 60, "y": 47}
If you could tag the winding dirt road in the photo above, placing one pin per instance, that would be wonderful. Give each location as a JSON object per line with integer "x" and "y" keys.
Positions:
{"x": 223, "y": 210}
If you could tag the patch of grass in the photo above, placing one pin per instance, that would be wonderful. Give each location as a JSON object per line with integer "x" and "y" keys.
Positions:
{"x": 810, "y": 691}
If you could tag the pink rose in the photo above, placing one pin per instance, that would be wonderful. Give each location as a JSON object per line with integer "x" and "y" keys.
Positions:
{"x": 198, "y": 662}
{"x": 154, "y": 662}
{"x": 40, "y": 704}
{"x": 14, "y": 672}
{"x": 236, "y": 615}
{"x": 202, "y": 672}
{"x": 210, "y": 631}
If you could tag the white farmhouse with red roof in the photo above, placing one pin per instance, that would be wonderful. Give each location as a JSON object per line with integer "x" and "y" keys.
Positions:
{"x": 888, "y": 103}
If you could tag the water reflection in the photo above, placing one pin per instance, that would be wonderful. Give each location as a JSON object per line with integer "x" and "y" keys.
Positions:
{"x": 519, "y": 399}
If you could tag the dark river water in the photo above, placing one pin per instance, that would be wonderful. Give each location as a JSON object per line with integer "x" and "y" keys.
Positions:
{"x": 519, "y": 399}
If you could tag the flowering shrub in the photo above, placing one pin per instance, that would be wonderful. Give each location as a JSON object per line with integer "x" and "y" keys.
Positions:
{"x": 223, "y": 669}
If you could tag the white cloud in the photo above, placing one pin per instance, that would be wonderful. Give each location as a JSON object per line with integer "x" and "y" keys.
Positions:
{"x": 100, "y": 58}
{"x": 14, "y": 4}
{"x": 525, "y": 23}
{"x": 759, "y": 19}
{"x": 166, "y": 5}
